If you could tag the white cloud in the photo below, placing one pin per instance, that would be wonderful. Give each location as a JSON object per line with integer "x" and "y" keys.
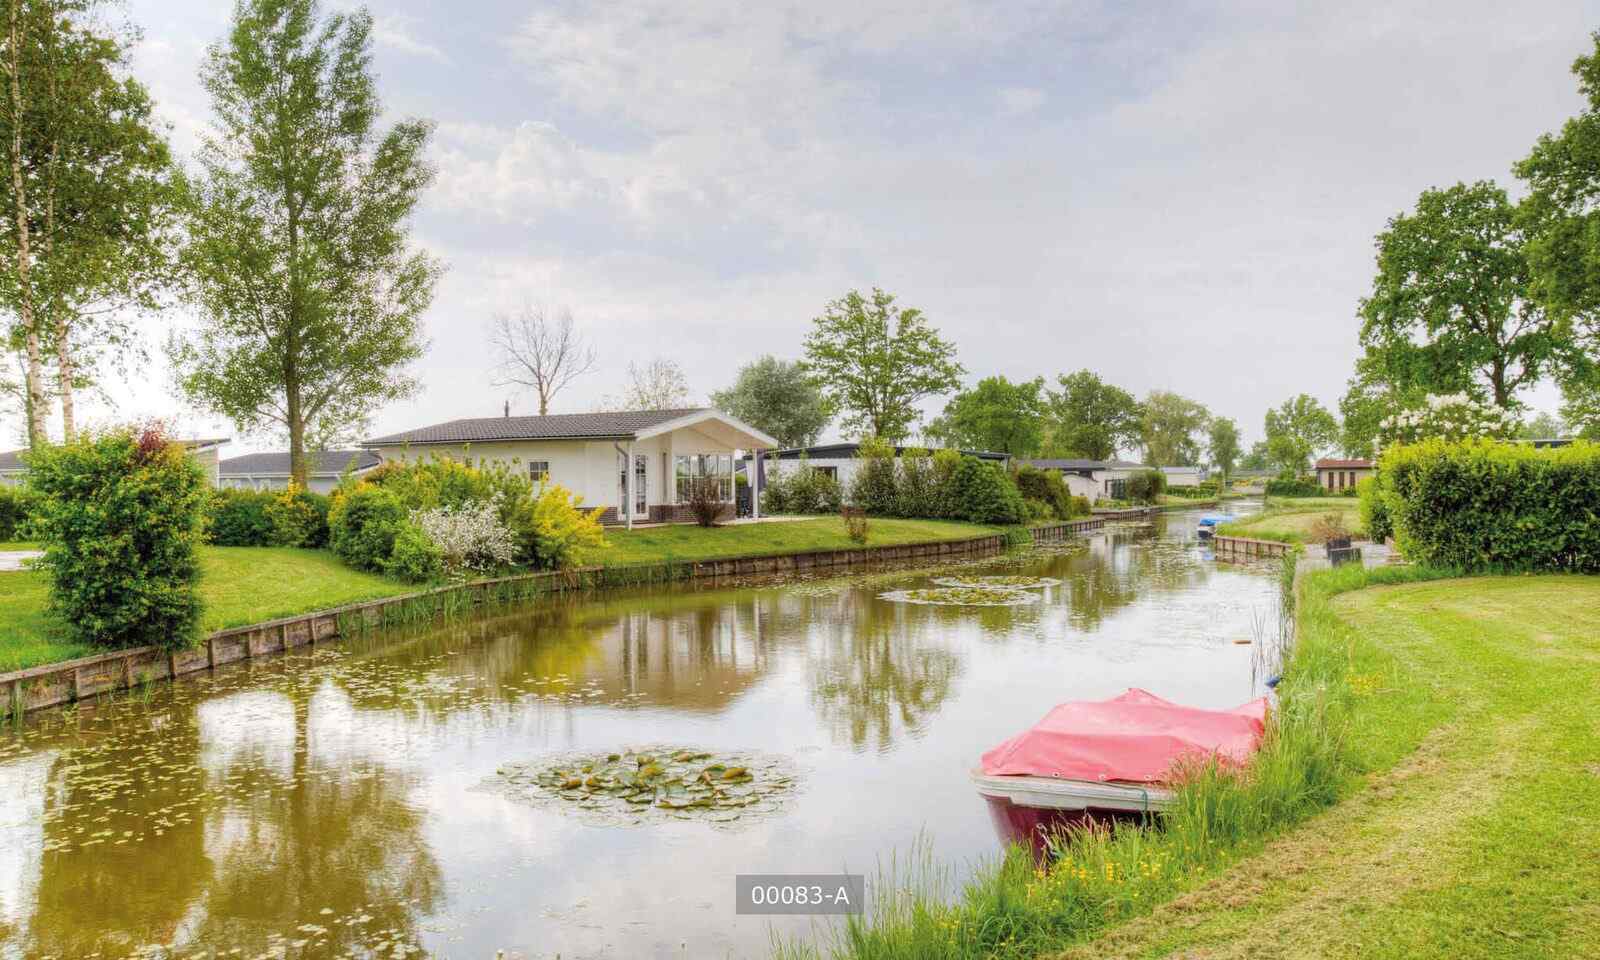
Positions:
{"x": 397, "y": 31}
{"x": 1017, "y": 101}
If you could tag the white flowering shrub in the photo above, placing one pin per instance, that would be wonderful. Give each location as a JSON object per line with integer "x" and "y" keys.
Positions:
{"x": 470, "y": 536}
{"x": 1453, "y": 416}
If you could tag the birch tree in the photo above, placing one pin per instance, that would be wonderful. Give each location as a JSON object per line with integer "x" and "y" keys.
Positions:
{"x": 310, "y": 295}
{"x": 89, "y": 200}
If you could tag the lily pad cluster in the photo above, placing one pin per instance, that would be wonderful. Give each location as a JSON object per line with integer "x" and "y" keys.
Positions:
{"x": 964, "y": 596}
{"x": 998, "y": 582}
{"x": 634, "y": 786}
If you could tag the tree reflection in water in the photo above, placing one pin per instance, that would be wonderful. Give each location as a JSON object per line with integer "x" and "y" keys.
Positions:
{"x": 882, "y": 674}
{"x": 236, "y": 825}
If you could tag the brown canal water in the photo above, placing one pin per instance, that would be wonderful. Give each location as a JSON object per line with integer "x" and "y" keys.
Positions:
{"x": 333, "y": 802}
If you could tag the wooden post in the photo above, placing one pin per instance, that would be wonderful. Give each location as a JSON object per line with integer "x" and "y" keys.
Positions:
{"x": 211, "y": 652}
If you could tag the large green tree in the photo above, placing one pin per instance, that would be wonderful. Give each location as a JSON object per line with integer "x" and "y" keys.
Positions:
{"x": 995, "y": 415}
{"x": 1087, "y": 417}
{"x": 1562, "y": 216}
{"x": 1223, "y": 445}
{"x": 875, "y": 361}
{"x": 1170, "y": 429}
{"x": 310, "y": 295}
{"x": 1257, "y": 458}
{"x": 1298, "y": 428}
{"x": 89, "y": 201}
{"x": 1449, "y": 310}
{"x": 1368, "y": 399}
{"x": 776, "y": 397}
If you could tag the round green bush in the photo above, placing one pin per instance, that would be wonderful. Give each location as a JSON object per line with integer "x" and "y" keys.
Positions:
{"x": 120, "y": 514}
{"x": 414, "y": 558}
{"x": 985, "y": 494}
{"x": 363, "y": 523}
{"x": 299, "y": 518}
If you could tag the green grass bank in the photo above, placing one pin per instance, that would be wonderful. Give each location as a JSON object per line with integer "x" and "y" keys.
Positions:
{"x": 244, "y": 585}
{"x": 1293, "y": 520}
{"x": 1428, "y": 788}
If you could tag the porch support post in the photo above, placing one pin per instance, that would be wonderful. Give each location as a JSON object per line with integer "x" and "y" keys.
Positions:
{"x": 627, "y": 485}
{"x": 755, "y": 484}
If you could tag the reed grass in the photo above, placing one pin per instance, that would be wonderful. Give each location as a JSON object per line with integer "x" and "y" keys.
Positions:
{"x": 1016, "y": 907}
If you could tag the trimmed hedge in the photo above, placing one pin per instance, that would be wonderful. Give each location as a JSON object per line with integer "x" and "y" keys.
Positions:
{"x": 1374, "y": 512}
{"x": 1484, "y": 505}
{"x": 1279, "y": 487}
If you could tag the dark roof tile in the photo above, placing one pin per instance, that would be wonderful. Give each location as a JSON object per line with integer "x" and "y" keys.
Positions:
{"x": 557, "y": 426}
{"x": 323, "y": 463}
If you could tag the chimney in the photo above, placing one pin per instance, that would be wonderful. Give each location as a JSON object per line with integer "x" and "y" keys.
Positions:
{"x": 508, "y": 409}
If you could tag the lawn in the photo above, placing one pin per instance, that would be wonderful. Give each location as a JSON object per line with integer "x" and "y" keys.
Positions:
{"x": 1291, "y": 521}
{"x": 1474, "y": 831}
{"x": 240, "y": 585}
{"x": 689, "y": 542}
{"x": 1429, "y": 791}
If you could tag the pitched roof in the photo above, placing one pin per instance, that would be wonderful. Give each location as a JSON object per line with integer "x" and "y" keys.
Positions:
{"x": 1081, "y": 464}
{"x": 1335, "y": 464}
{"x": 323, "y": 463}
{"x": 850, "y": 449}
{"x": 556, "y": 426}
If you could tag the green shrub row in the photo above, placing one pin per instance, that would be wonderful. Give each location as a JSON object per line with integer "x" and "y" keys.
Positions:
{"x": 941, "y": 485}
{"x": 1205, "y": 490}
{"x": 373, "y": 522}
{"x": 16, "y": 512}
{"x": 1285, "y": 487}
{"x": 1486, "y": 505}
{"x": 267, "y": 518}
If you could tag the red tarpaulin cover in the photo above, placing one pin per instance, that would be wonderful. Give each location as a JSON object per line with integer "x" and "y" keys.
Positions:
{"x": 1137, "y": 737}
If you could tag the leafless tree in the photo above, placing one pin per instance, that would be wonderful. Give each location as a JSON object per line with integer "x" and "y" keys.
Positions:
{"x": 540, "y": 351}
{"x": 657, "y": 385}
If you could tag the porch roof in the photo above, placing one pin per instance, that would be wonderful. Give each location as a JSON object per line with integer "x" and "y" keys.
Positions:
{"x": 605, "y": 425}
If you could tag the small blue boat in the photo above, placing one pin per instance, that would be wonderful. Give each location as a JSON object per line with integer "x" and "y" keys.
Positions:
{"x": 1209, "y": 522}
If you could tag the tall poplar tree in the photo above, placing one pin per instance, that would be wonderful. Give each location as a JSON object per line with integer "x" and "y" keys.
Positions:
{"x": 311, "y": 296}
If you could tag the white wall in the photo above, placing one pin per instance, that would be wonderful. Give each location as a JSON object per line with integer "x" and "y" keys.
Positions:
{"x": 588, "y": 468}
{"x": 314, "y": 484}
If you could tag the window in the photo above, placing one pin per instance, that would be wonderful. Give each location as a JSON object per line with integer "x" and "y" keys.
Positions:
{"x": 709, "y": 466}
{"x": 832, "y": 473}
{"x": 1117, "y": 488}
{"x": 539, "y": 470}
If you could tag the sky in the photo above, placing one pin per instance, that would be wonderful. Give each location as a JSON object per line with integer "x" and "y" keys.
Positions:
{"x": 1179, "y": 196}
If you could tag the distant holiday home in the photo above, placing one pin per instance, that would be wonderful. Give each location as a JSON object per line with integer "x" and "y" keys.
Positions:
{"x": 841, "y": 460}
{"x": 1340, "y": 475}
{"x": 590, "y": 454}
{"x": 1095, "y": 479}
{"x": 270, "y": 471}
{"x": 13, "y": 469}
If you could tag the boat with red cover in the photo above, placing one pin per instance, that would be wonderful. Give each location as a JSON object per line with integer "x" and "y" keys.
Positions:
{"x": 1104, "y": 761}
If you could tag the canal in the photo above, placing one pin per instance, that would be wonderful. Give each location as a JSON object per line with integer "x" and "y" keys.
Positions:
{"x": 344, "y": 801}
